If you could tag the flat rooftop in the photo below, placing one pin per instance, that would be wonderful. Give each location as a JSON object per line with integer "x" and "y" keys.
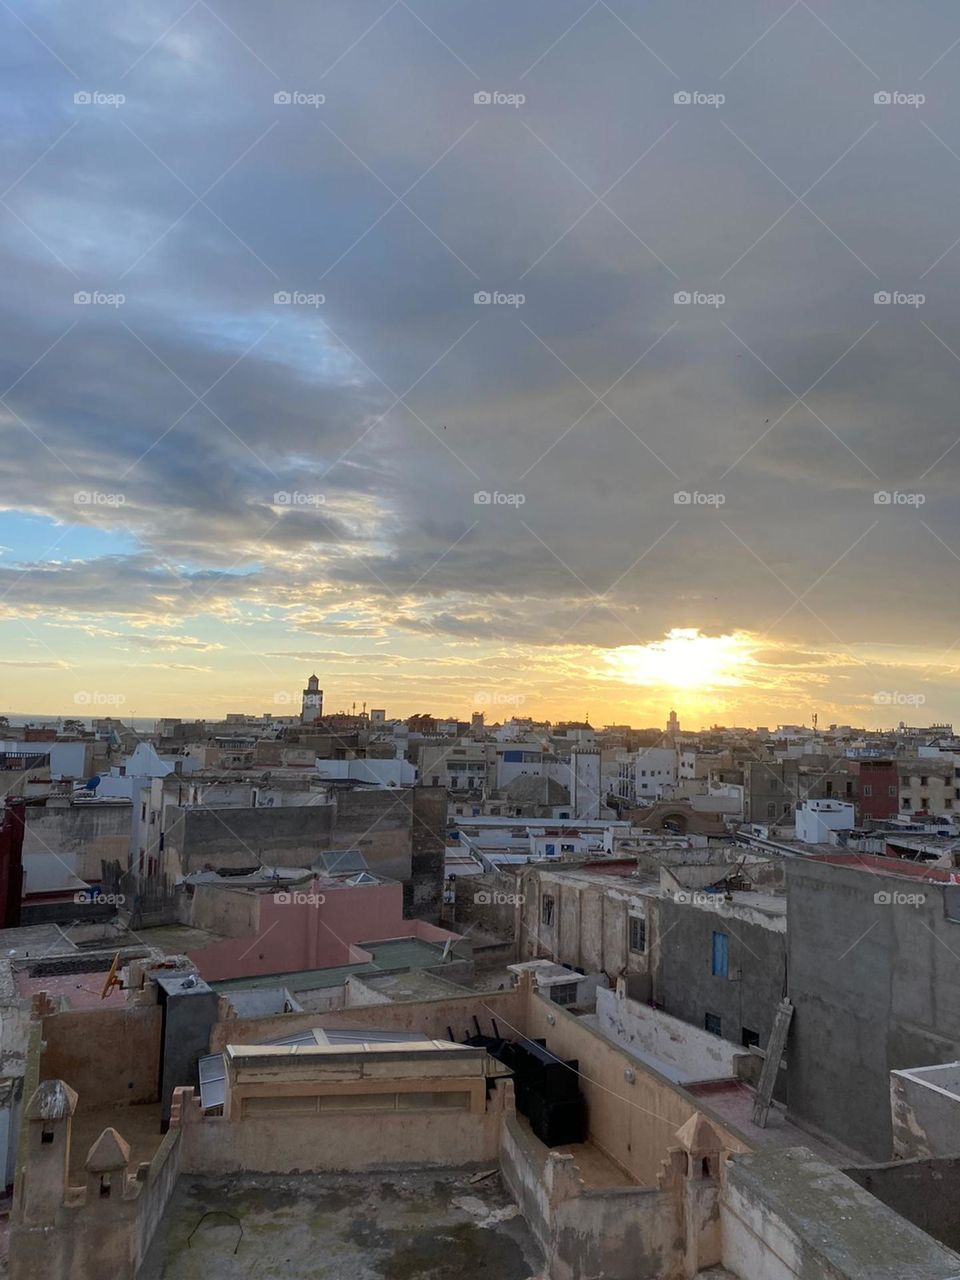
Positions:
{"x": 374, "y": 1226}
{"x": 392, "y": 953}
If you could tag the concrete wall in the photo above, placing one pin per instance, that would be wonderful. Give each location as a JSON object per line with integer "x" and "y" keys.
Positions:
{"x": 925, "y": 1111}
{"x": 620, "y": 1233}
{"x": 633, "y": 1124}
{"x": 786, "y": 1215}
{"x": 92, "y": 832}
{"x": 648, "y": 1032}
{"x": 925, "y": 1192}
{"x": 590, "y": 923}
{"x": 156, "y": 1189}
{"x": 431, "y": 1017}
{"x": 874, "y": 985}
{"x": 109, "y": 1056}
{"x": 747, "y": 997}
{"x": 196, "y": 839}
{"x": 338, "y": 1142}
{"x": 487, "y": 902}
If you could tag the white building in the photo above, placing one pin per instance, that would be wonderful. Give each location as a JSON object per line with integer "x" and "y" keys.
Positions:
{"x": 816, "y": 820}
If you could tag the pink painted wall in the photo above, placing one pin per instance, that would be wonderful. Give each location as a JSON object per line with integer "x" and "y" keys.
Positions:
{"x": 316, "y": 927}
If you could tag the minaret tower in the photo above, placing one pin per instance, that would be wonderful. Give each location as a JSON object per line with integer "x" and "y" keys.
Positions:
{"x": 312, "y": 707}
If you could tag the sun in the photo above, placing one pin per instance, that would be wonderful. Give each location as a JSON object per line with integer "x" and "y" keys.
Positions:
{"x": 685, "y": 659}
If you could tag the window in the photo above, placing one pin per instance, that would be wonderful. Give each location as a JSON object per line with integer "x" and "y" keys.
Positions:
{"x": 713, "y": 1023}
{"x": 638, "y": 934}
{"x": 867, "y": 789}
{"x": 720, "y": 955}
{"x": 550, "y": 850}
{"x": 906, "y": 802}
{"x": 771, "y": 810}
{"x": 891, "y": 791}
{"x": 924, "y": 779}
{"x": 546, "y": 910}
{"x": 564, "y": 993}
{"x": 749, "y": 1038}
{"x": 46, "y": 1136}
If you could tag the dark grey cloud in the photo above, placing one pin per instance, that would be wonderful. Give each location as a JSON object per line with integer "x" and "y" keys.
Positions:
{"x": 199, "y": 399}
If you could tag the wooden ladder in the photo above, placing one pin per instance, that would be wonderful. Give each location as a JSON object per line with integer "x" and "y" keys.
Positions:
{"x": 771, "y": 1062}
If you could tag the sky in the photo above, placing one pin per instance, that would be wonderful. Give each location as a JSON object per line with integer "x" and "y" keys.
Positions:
{"x": 551, "y": 359}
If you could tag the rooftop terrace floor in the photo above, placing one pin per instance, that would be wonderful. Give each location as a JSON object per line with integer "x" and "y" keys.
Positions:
{"x": 386, "y": 1226}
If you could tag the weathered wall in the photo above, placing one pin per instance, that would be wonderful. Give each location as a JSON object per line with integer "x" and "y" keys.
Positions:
{"x": 747, "y": 997}
{"x": 196, "y": 839}
{"x": 157, "y": 1188}
{"x": 785, "y": 1215}
{"x": 232, "y": 913}
{"x": 874, "y": 987}
{"x": 925, "y": 1192}
{"x": 92, "y": 832}
{"x": 431, "y": 1017}
{"x": 109, "y": 1056}
{"x": 620, "y": 1233}
{"x": 338, "y": 1142}
{"x": 695, "y": 1054}
{"x": 590, "y": 928}
{"x": 487, "y": 902}
{"x": 634, "y": 1124}
{"x": 925, "y": 1111}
